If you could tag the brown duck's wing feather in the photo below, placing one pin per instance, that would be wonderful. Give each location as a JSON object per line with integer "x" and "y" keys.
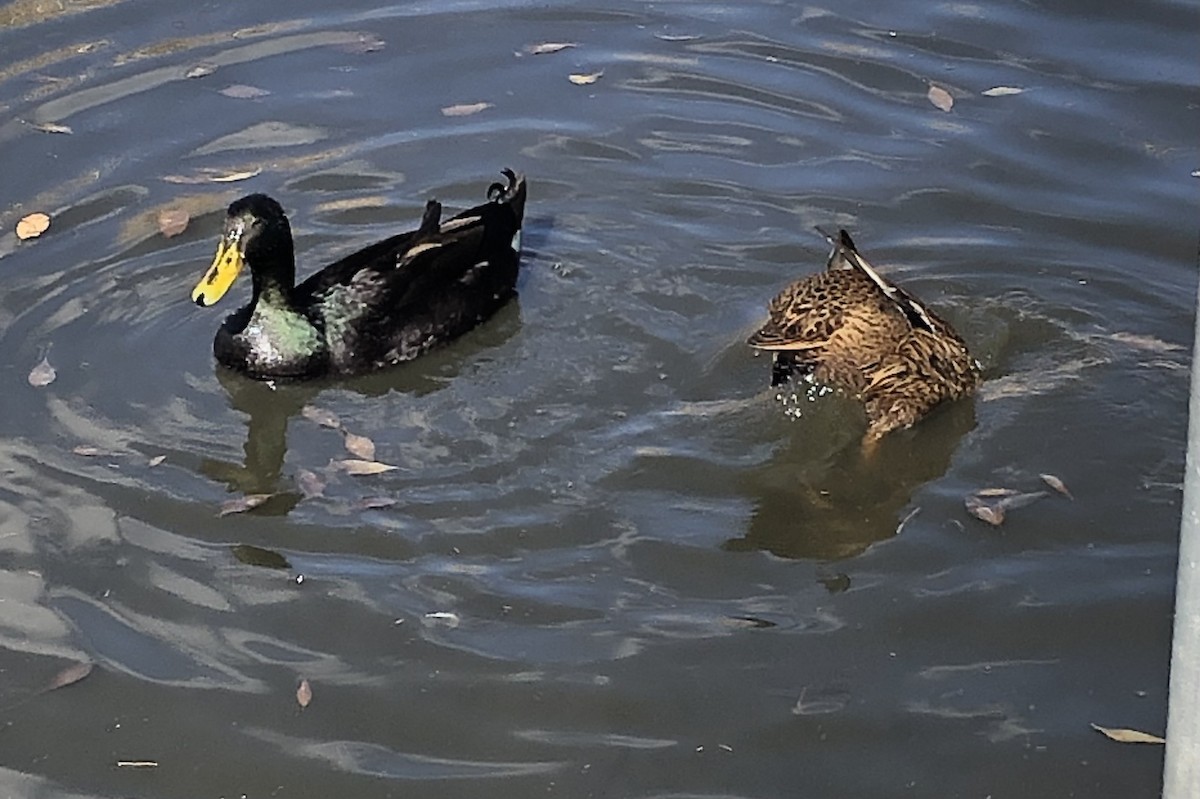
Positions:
{"x": 807, "y": 313}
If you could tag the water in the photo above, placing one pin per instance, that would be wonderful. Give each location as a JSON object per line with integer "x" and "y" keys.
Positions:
{"x": 617, "y": 564}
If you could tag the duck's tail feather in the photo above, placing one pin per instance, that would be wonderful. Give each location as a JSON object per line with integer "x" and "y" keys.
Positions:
{"x": 845, "y": 256}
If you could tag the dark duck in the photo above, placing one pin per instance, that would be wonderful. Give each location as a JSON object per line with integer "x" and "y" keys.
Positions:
{"x": 390, "y": 302}
{"x": 853, "y": 330}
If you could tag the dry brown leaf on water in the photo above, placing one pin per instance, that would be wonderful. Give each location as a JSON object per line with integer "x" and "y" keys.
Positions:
{"x": 241, "y": 91}
{"x": 137, "y": 764}
{"x": 172, "y": 221}
{"x": 303, "y": 693}
{"x": 234, "y": 177}
{"x": 545, "y": 48}
{"x": 43, "y": 374}
{"x": 50, "y": 127}
{"x": 940, "y": 98}
{"x": 996, "y": 492}
{"x": 156, "y": 460}
{"x": 88, "y": 451}
{"x": 464, "y": 109}
{"x": 361, "y": 467}
{"x": 1126, "y": 736}
{"x": 585, "y": 79}
{"x": 70, "y": 675}
{"x": 677, "y": 37}
{"x": 321, "y": 416}
{"x": 242, "y": 504}
{"x": 359, "y": 446}
{"x": 1057, "y": 484}
{"x": 1146, "y": 343}
{"x": 200, "y": 70}
{"x": 32, "y": 226}
{"x": 992, "y": 514}
{"x": 212, "y": 176}
{"x": 310, "y": 484}
{"x": 1002, "y": 91}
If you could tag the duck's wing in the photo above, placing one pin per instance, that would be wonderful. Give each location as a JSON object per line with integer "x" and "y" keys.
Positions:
{"x": 806, "y": 314}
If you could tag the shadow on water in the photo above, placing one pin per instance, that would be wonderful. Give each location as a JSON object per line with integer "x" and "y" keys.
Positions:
{"x": 270, "y": 406}
{"x": 856, "y": 500}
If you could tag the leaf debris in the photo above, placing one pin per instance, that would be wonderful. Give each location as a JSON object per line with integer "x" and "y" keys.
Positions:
{"x": 51, "y": 127}
{"x": 940, "y": 98}
{"x": 70, "y": 675}
{"x": 43, "y": 374}
{"x": 321, "y": 416}
{"x": 304, "y": 693}
{"x": 1127, "y": 736}
{"x": 172, "y": 221}
{"x": 32, "y": 226}
{"x": 464, "y": 109}
{"x": 310, "y": 484}
{"x": 359, "y": 446}
{"x": 545, "y": 48}
{"x": 1002, "y": 91}
{"x": 585, "y": 79}
{"x": 1057, "y": 484}
{"x": 354, "y": 466}
{"x": 241, "y": 91}
{"x": 242, "y": 504}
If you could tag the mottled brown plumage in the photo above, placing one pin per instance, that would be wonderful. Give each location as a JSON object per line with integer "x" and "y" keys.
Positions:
{"x": 853, "y": 330}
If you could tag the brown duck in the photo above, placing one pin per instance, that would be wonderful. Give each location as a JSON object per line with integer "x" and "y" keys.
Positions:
{"x": 853, "y": 330}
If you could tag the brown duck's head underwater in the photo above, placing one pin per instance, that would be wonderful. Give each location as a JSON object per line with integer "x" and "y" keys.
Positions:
{"x": 850, "y": 328}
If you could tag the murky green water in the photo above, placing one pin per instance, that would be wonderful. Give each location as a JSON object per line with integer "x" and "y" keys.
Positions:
{"x": 612, "y": 562}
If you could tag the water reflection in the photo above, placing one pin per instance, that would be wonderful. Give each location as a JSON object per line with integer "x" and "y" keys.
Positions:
{"x": 269, "y": 406}
{"x": 856, "y": 499}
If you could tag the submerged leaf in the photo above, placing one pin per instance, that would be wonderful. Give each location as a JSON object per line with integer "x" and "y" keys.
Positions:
{"x": 585, "y": 79}
{"x": 310, "y": 484}
{"x": 32, "y": 226}
{"x": 1020, "y": 500}
{"x": 70, "y": 675}
{"x": 303, "y": 693}
{"x": 992, "y": 514}
{"x": 200, "y": 70}
{"x": 258, "y": 556}
{"x": 43, "y": 374}
{"x": 465, "y": 109}
{"x": 362, "y": 467}
{"x": 241, "y": 91}
{"x": 321, "y": 416}
{"x": 996, "y": 492}
{"x": 940, "y": 98}
{"x": 359, "y": 446}
{"x": 243, "y": 504}
{"x": 1057, "y": 484}
{"x": 1127, "y": 736}
{"x": 172, "y": 221}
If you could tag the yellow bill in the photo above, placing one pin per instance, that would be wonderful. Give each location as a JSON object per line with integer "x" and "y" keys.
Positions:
{"x": 220, "y": 276}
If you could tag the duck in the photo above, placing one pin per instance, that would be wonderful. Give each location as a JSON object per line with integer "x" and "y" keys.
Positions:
{"x": 851, "y": 329}
{"x": 382, "y": 305}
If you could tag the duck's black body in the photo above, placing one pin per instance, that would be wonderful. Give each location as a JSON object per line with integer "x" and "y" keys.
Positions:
{"x": 385, "y": 304}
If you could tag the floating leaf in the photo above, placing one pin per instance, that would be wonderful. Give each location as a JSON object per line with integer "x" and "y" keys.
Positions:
{"x": 310, "y": 484}
{"x": 1145, "y": 343}
{"x": 234, "y": 177}
{"x": 137, "y": 764}
{"x": 1126, "y": 736}
{"x": 241, "y": 91}
{"x": 258, "y": 556}
{"x": 200, "y": 70}
{"x": 88, "y": 451}
{"x": 365, "y": 43}
{"x": 1057, "y": 484}
{"x": 43, "y": 374}
{"x": 996, "y": 492}
{"x": 465, "y": 109}
{"x": 584, "y": 79}
{"x": 548, "y": 47}
{"x": 359, "y": 446}
{"x": 940, "y": 98}
{"x": 321, "y": 416}
{"x": 32, "y": 226}
{"x": 243, "y": 504}
{"x": 676, "y": 37}
{"x": 50, "y": 127}
{"x": 70, "y": 675}
{"x": 303, "y": 693}
{"x": 451, "y": 620}
{"x": 361, "y": 467}
{"x": 992, "y": 514}
{"x": 172, "y": 221}
{"x": 156, "y": 460}
{"x": 374, "y": 503}
{"x": 1002, "y": 91}
{"x": 212, "y": 176}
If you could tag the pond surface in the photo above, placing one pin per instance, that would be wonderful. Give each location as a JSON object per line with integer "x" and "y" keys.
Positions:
{"x": 612, "y": 562}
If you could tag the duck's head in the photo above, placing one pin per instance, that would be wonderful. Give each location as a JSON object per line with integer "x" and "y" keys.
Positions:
{"x": 256, "y": 233}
